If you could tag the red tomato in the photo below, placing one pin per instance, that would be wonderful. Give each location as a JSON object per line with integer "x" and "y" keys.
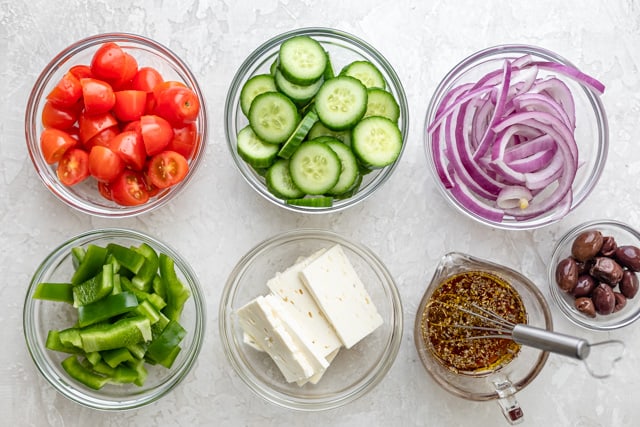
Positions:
{"x": 103, "y": 138}
{"x": 134, "y": 126}
{"x": 156, "y": 133}
{"x": 184, "y": 140}
{"x": 108, "y": 62}
{"x": 54, "y": 143}
{"x": 81, "y": 71}
{"x": 167, "y": 168}
{"x": 146, "y": 79}
{"x": 73, "y": 167}
{"x": 60, "y": 117}
{"x": 128, "y": 73}
{"x": 129, "y": 189}
{"x": 105, "y": 190}
{"x": 74, "y": 132}
{"x": 104, "y": 164}
{"x": 90, "y": 126}
{"x": 98, "y": 96}
{"x": 179, "y": 105}
{"x": 130, "y": 104}
{"x": 67, "y": 92}
{"x": 166, "y": 85}
{"x": 129, "y": 146}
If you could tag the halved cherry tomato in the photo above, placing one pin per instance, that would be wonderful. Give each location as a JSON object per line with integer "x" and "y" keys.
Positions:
{"x": 73, "y": 167}
{"x": 179, "y": 105}
{"x": 67, "y": 92}
{"x": 104, "y": 164}
{"x": 74, "y": 132}
{"x": 156, "y": 133}
{"x": 128, "y": 73}
{"x": 160, "y": 87}
{"x": 184, "y": 140}
{"x": 146, "y": 79}
{"x": 90, "y": 126}
{"x": 108, "y": 62}
{"x": 97, "y": 95}
{"x": 129, "y": 189}
{"x": 105, "y": 190}
{"x": 103, "y": 138}
{"x": 60, "y": 117}
{"x": 167, "y": 168}
{"x": 81, "y": 71}
{"x": 54, "y": 143}
{"x": 130, "y": 104}
{"x": 129, "y": 146}
{"x": 134, "y": 126}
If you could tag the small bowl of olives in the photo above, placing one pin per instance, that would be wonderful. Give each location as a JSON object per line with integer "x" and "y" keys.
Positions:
{"x": 594, "y": 274}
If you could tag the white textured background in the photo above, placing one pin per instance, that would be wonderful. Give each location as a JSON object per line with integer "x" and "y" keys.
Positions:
{"x": 407, "y": 223}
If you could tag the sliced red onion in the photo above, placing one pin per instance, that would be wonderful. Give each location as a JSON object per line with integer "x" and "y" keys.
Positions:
{"x": 514, "y": 196}
{"x": 574, "y": 73}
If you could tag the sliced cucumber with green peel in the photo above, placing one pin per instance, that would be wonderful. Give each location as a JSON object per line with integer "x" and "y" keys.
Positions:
{"x": 349, "y": 173}
{"x": 273, "y": 117}
{"x": 315, "y": 168}
{"x": 253, "y": 150}
{"x": 302, "y": 60}
{"x": 376, "y": 142}
{"x": 279, "y": 182}
{"x": 382, "y": 103}
{"x": 298, "y": 93}
{"x": 313, "y": 201}
{"x": 253, "y": 87}
{"x": 366, "y": 72}
{"x": 341, "y": 102}
{"x": 292, "y": 143}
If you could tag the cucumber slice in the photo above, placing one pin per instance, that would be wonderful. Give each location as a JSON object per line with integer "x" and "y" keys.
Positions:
{"x": 273, "y": 117}
{"x": 302, "y": 60}
{"x": 253, "y": 150}
{"x": 382, "y": 103}
{"x": 314, "y": 201}
{"x": 376, "y": 142}
{"x": 319, "y": 129}
{"x": 315, "y": 168}
{"x": 349, "y": 173}
{"x": 366, "y": 72}
{"x": 298, "y": 94}
{"x": 341, "y": 102}
{"x": 253, "y": 87}
{"x": 279, "y": 182}
{"x": 298, "y": 135}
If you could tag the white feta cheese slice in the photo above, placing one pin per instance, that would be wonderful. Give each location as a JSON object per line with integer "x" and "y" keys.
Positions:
{"x": 301, "y": 306}
{"x": 341, "y": 296}
{"x": 316, "y": 377}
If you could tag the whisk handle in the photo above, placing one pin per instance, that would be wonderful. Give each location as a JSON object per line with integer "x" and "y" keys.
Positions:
{"x": 554, "y": 342}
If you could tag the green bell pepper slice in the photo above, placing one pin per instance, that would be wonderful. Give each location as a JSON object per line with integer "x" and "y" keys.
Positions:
{"x": 92, "y": 262}
{"x": 61, "y": 292}
{"x": 127, "y": 257}
{"x": 116, "y": 356}
{"x": 149, "y": 270}
{"x": 162, "y": 349}
{"x": 95, "y": 288}
{"x": 82, "y": 374}
{"x": 54, "y": 343}
{"x": 177, "y": 292}
{"x": 106, "y": 308}
{"x": 124, "y": 332}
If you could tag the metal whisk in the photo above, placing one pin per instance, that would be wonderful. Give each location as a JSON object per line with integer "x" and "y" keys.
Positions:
{"x": 602, "y": 355}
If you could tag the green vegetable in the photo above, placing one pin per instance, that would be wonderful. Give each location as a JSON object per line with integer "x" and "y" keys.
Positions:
{"x": 106, "y": 308}
{"x": 83, "y": 374}
{"x": 62, "y": 292}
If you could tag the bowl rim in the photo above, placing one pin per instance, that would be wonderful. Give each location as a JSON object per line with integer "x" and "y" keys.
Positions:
{"x": 225, "y": 322}
{"x": 74, "y": 391}
{"x": 556, "y": 294}
{"x": 33, "y": 127}
{"x": 243, "y": 73}
{"x": 592, "y": 97}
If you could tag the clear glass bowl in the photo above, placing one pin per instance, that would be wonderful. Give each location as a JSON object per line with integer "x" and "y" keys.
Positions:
{"x": 591, "y": 133}
{"x": 343, "y": 49}
{"x": 624, "y": 235}
{"x": 40, "y": 316}
{"x": 85, "y": 196}
{"x": 354, "y": 372}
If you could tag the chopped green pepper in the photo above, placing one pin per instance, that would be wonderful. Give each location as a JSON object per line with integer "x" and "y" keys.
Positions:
{"x": 77, "y": 255}
{"x": 95, "y": 288}
{"x": 129, "y": 258}
{"x": 91, "y": 264}
{"x": 62, "y": 292}
{"x": 177, "y": 292}
{"x": 116, "y": 356}
{"x": 83, "y": 374}
{"x": 54, "y": 343}
{"x": 106, "y": 308}
{"x": 143, "y": 278}
{"x": 163, "y": 346}
{"x": 126, "y": 331}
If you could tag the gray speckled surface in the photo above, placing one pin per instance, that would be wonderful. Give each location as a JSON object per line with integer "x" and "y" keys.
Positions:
{"x": 407, "y": 223}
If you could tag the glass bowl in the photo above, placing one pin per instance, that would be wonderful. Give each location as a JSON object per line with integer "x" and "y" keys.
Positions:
{"x": 624, "y": 235}
{"x": 40, "y": 316}
{"x": 591, "y": 131}
{"x": 353, "y": 372}
{"x": 343, "y": 48}
{"x": 85, "y": 196}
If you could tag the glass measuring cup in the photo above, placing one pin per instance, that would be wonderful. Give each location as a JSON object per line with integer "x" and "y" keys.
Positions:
{"x": 500, "y": 383}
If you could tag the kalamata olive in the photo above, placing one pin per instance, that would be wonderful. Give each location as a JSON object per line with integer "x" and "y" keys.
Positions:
{"x": 584, "y": 286}
{"x": 567, "y": 274}
{"x": 629, "y": 284}
{"x": 621, "y": 301}
{"x": 609, "y": 246}
{"x": 603, "y": 299}
{"x": 587, "y": 245}
{"x": 606, "y": 270}
{"x": 629, "y": 256}
{"x": 583, "y": 267}
{"x": 585, "y": 305}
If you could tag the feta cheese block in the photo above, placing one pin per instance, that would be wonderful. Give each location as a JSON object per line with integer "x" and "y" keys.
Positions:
{"x": 303, "y": 308}
{"x": 315, "y": 378}
{"x": 341, "y": 295}
{"x": 270, "y": 327}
